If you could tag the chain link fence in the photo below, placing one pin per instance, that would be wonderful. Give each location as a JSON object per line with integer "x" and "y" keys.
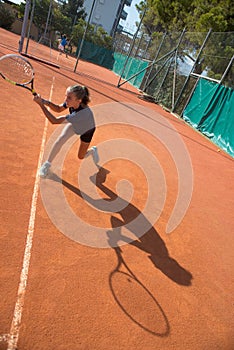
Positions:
{"x": 175, "y": 62}
{"x": 189, "y": 74}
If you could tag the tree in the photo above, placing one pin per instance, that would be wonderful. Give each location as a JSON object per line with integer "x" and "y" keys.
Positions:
{"x": 94, "y": 35}
{"x": 73, "y": 9}
{"x": 40, "y": 13}
{"x": 165, "y": 15}
{"x": 63, "y": 15}
{"x": 195, "y": 15}
{"x": 216, "y": 14}
{"x": 60, "y": 22}
{"x": 6, "y": 18}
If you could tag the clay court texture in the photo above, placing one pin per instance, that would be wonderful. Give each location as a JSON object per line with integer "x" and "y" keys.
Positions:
{"x": 134, "y": 254}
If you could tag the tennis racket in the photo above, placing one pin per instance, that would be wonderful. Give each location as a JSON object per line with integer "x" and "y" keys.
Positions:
{"x": 18, "y": 71}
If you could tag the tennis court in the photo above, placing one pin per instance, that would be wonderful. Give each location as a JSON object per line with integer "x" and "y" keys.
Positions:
{"x": 101, "y": 279}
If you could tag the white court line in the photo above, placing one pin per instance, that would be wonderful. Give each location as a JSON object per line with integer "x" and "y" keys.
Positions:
{"x": 16, "y": 321}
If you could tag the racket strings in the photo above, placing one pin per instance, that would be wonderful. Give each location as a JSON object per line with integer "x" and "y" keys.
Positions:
{"x": 16, "y": 69}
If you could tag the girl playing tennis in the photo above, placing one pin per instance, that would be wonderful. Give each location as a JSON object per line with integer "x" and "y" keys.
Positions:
{"x": 80, "y": 121}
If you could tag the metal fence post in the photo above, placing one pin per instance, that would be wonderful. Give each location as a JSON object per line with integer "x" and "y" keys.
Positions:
{"x": 194, "y": 64}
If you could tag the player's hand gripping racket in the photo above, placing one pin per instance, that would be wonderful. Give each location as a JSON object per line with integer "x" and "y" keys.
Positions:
{"x": 18, "y": 71}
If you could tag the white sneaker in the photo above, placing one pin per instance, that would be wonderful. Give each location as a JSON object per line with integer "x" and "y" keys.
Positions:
{"x": 95, "y": 154}
{"x": 44, "y": 169}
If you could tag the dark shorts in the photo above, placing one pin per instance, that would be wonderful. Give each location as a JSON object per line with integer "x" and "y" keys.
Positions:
{"x": 87, "y": 136}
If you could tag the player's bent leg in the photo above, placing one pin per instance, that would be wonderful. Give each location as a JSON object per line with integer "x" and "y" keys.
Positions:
{"x": 66, "y": 133}
{"x": 82, "y": 152}
{"x": 93, "y": 151}
{"x": 95, "y": 154}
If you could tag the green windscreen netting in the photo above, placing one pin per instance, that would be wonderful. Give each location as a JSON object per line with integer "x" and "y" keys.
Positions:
{"x": 133, "y": 66}
{"x": 211, "y": 111}
{"x": 96, "y": 54}
{"x": 114, "y": 61}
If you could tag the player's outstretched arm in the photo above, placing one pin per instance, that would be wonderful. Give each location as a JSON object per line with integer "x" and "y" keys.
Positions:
{"x": 49, "y": 116}
{"x": 53, "y": 106}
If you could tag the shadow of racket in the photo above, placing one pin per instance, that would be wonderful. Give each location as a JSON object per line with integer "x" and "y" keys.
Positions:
{"x": 135, "y": 300}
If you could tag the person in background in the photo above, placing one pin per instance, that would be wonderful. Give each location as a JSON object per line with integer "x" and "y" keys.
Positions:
{"x": 62, "y": 44}
{"x": 68, "y": 48}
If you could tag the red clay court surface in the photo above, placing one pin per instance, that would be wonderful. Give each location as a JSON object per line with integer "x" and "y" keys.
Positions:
{"x": 162, "y": 291}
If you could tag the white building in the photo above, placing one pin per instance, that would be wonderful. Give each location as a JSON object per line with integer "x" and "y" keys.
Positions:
{"x": 107, "y": 13}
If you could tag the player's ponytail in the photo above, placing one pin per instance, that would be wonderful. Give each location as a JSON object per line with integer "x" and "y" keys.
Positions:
{"x": 86, "y": 98}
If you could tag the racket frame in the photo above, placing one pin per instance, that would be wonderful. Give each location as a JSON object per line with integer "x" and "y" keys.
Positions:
{"x": 31, "y": 81}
